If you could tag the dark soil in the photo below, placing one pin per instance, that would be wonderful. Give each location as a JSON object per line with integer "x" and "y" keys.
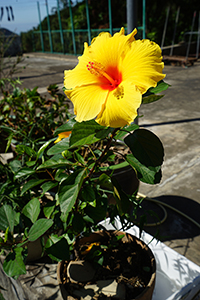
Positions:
{"x": 126, "y": 260}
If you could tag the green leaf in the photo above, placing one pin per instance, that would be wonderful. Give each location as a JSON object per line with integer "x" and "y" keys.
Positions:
{"x": 122, "y": 200}
{"x": 57, "y": 250}
{"x": 79, "y": 158}
{"x": 30, "y": 184}
{"x": 24, "y": 172}
{"x": 105, "y": 181}
{"x": 53, "y": 239}
{"x": 146, "y": 147}
{"x": 69, "y": 190}
{"x": 6, "y": 235}
{"x": 17, "y": 218}
{"x": 66, "y": 127}
{"x": 59, "y": 147}
{"x": 20, "y": 149}
{"x": 119, "y": 237}
{"x": 151, "y": 98}
{"x": 149, "y": 175}
{"x": 97, "y": 213}
{"x": 123, "y": 131}
{"x": 86, "y": 133}
{"x": 6, "y": 107}
{"x": 49, "y": 208}
{"x": 100, "y": 261}
{"x": 14, "y": 263}
{"x": 114, "y": 167}
{"x": 1, "y": 296}
{"x": 48, "y": 186}
{"x": 39, "y": 228}
{"x": 88, "y": 193}
{"x": 42, "y": 149}
{"x": 60, "y": 175}
{"x": 32, "y": 209}
{"x": 31, "y": 163}
{"x": 161, "y": 86}
{"x": 55, "y": 162}
{"x": 7, "y": 217}
{"x": 78, "y": 223}
{"x": 9, "y": 141}
{"x": 68, "y": 199}
{"x": 15, "y": 165}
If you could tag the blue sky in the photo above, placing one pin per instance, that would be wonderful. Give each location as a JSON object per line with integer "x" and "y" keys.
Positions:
{"x": 25, "y": 13}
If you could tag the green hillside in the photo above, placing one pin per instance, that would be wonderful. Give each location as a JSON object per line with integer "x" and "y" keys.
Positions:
{"x": 99, "y": 19}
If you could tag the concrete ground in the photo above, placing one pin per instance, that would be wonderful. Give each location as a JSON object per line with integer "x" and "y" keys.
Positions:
{"x": 176, "y": 120}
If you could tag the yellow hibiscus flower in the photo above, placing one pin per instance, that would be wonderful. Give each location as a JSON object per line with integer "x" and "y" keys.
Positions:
{"x": 62, "y": 135}
{"x": 111, "y": 76}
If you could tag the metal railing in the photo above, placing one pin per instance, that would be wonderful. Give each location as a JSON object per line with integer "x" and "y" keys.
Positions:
{"x": 70, "y": 41}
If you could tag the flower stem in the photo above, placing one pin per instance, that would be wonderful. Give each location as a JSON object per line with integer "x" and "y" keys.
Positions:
{"x": 97, "y": 162}
{"x": 103, "y": 153}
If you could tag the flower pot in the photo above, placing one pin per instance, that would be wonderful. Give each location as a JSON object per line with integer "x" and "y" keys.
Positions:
{"x": 123, "y": 173}
{"x": 127, "y": 179}
{"x": 35, "y": 250}
{"x": 132, "y": 275}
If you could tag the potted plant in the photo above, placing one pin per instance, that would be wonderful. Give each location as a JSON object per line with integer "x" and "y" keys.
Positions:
{"x": 114, "y": 76}
{"x": 27, "y": 117}
{"x": 27, "y": 122}
{"x": 22, "y": 220}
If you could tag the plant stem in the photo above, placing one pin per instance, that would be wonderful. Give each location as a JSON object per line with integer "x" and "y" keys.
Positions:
{"x": 97, "y": 162}
{"x": 103, "y": 153}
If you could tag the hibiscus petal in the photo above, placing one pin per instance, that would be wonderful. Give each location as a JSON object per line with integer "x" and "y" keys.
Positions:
{"x": 62, "y": 135}
{"x": 108, "y": 50}
{"x": 80, "y": 74}
{"x": 104, "y": 49}
{"x": 121, "y": 106}
{"x": 111, "y": 77}
{"x": 88, "y": 101}
{"x": 143, "y": 64}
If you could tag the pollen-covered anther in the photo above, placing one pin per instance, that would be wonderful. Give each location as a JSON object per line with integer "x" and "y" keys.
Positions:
{"x": 95, "y": 68}
{"x": 119, "y": 93}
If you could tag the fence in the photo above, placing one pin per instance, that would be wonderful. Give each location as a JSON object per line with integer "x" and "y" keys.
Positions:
{"x": 70, "y": 41}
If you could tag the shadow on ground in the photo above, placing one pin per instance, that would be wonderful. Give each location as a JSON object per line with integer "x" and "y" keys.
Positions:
{"x": 175, "y": 222}
{"x": 171, "y": 122}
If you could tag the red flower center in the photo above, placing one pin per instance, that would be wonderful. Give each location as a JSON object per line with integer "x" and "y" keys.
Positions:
{"x": 109, "y": 78}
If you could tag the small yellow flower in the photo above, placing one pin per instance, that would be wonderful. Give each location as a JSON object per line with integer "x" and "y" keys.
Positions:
{"x": 62, "y": 135}
{"x": 111, "y": 76}
{"x": 89, "y": 247}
